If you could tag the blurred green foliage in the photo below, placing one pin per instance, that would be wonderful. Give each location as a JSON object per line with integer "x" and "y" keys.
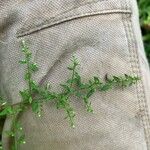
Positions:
{"x": 144, "y": 12}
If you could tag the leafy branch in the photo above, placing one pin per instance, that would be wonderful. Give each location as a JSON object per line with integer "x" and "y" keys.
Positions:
{"x": 36, "y": 95}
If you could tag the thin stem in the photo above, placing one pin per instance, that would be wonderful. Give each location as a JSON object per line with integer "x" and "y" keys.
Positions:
{"x": 14, "y": 130}
{"x": 29, "y": 80}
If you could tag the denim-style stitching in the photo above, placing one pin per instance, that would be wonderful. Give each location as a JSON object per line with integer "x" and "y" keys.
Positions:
{"x": 141, "y": 92}
{"x": 134, "y": 60}
{"x": 25, "y": 32}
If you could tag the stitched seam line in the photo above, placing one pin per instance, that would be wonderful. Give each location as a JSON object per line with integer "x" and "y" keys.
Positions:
{"x": 50, "y": 23}
{"x": 141, "y": 92}
{"x": 134, "y": 57}
{"x": 140, "y": 103}
{"x": 140, "y": 86}
{"x": 134, "y": 61}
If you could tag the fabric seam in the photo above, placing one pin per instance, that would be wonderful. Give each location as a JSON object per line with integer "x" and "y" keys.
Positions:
{"x": 140, "y": 88}
{"x": 134, "y": 62}
{"x": 48, "y": 23}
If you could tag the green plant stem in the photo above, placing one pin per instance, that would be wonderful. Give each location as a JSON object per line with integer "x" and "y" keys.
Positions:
{"x": 29, "y": 80}
{"x": 14, "y": 131}
{"x": 36, "y": 95}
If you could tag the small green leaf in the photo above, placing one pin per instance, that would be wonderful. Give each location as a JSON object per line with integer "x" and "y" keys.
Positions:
{"x": 90, "y": 93}
{"x": 21, "y": 139}
{"x": 79, "y": 94}
{"x": 48, "y": 86}
{"x": 17, "y": 125}
{"x": 69, "y": 81}
{"x": 27, "y": 76}
{"x": 34, "y": 86}
{"x": 78, "y": 79}
{"x": 28, "y": 55}
{"x": 2, "y": 102}
{"x": 115, "y": 78}
{"x": 66, "y": 87}
{"x": 36, "y": 107}
{"x": 70, "y": 68}
{"x": 89, "y": 108}
{"x": 8, "y": 110}
{"x": 25, "y": 94}
{"x": 22, "y": 61}
{"x": 18, "y": 110}
{"x": 10, "y": 133}
{"x": 84, "y": 86}
{"x": 96, "y": 79}
{"x": 105, "y": 87}
{"x": 30, "y": 100}
{"x": 34, "y": 67}
{"x": 51, "y": 96}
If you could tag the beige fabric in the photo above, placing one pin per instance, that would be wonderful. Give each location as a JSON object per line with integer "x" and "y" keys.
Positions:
{"x": 105, "y": 37}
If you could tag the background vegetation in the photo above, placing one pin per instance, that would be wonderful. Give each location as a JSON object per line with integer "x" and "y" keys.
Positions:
{"x": 144, "y": 11}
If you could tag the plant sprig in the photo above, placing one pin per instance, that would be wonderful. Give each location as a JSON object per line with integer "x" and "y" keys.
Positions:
{"x": 36, "y": 95}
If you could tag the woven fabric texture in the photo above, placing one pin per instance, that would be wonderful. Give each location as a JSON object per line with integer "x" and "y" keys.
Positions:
{"x": 105, "y": 36}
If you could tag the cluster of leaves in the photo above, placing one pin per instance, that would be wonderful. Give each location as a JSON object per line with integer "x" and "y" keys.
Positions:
{"x": 144, "y": 12}
{"x": 16, "y": 132}
{"x": 35, "y": 95}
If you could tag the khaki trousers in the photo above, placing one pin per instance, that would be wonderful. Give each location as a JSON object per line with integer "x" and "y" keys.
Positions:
{"x": 105, "y": 36}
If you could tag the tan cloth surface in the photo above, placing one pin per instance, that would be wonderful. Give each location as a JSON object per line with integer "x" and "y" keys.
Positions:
{"x": 105, "y": 37}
